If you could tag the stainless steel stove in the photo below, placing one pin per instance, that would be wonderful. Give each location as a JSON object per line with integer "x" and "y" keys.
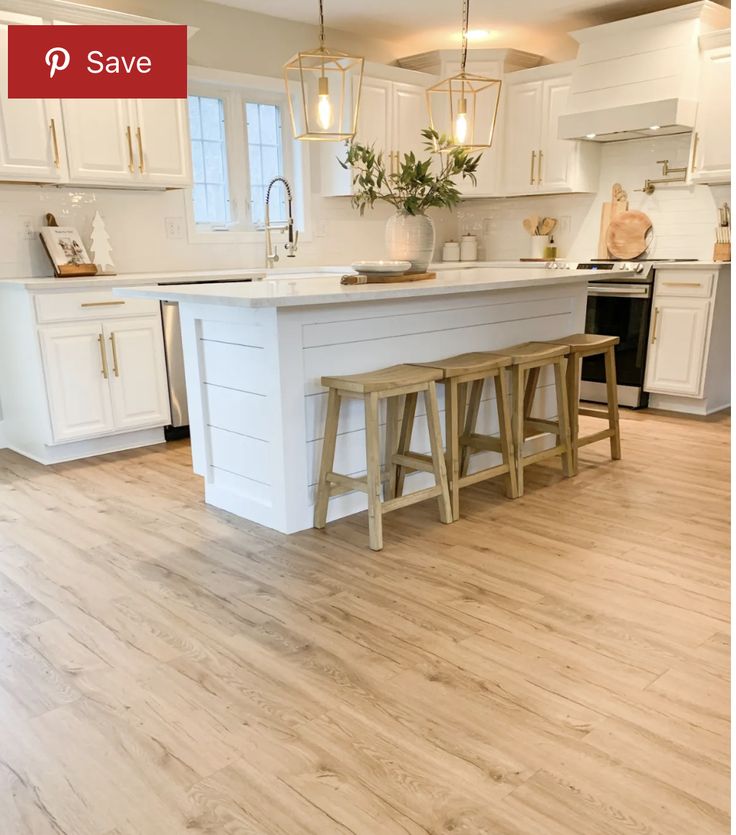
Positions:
{"x": 619, "y": 304}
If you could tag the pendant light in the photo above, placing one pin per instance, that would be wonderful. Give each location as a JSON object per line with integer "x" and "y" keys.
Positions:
{"x": 323, "y": 87}
{"x": 463, "y": 107}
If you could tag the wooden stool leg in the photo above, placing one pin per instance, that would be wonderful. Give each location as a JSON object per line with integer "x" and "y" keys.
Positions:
{"x": 471, "y": 420}
{"x": 407, "y": 427}
{"x": 612, "y": 397}
{"x": 574, "y": 366}
{"x": 392, "y": 440}
{"x": 328, "y": 458}
{"x": 532, "y": 381}
{"x": 373, "y": 472}
{"x": 452, "y": 443}
{"x": 438, "y": 454}
{"x": 563, "y": 419}
{"x": 504, "y": 429}
{"x": 517, "y": 424}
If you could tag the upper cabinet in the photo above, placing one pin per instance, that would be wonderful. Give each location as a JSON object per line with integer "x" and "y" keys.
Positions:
{"x": 31, "y": 130}
{"x": 119, "y": 142}
{"x": 535, "y": 161}
{"x": 710, "y": 158}
{"x": 392, "y": 115}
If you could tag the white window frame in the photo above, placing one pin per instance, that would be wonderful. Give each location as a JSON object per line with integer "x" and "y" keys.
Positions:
{"x": 235, "y": 89}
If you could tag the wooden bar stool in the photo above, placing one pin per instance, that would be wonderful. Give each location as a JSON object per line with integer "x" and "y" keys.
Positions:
{"x": 459, "y": 373}
{"x": 528, "y": 359}
{"x": 390, "y": 384}
{"x": 579, "y": 346}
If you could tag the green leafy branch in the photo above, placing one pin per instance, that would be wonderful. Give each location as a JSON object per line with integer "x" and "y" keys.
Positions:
{"x": 417, "y": 185}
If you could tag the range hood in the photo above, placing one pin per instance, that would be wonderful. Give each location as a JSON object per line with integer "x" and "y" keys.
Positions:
{"x": 638, "y": 77}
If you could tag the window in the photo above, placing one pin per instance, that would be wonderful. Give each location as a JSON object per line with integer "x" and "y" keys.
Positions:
{"x": 209, "y": 160}
{"x": 240, "y": 142}
{"x": 265, "y": 158}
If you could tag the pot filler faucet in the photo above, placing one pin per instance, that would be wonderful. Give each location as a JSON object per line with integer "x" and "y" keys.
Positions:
{"x": 272, "y": 255}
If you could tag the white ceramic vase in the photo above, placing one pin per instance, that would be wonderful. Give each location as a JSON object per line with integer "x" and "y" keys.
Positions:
{"x": 410, "y": 238}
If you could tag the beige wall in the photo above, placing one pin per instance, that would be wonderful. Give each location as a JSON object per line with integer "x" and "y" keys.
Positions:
{"x": 242, "y": 41}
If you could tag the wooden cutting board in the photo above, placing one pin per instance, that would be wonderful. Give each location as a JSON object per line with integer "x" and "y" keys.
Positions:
{"x": 386, "y": 278}
{"x": 627, "y": 235}
{"x": 609, "y": 211}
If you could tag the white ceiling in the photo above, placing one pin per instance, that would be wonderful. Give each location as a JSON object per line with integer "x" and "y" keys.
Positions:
{"x": 420, "y": 25}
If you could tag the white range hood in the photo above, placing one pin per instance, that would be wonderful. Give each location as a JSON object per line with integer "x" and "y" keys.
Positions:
{"x": 639, "y": 76}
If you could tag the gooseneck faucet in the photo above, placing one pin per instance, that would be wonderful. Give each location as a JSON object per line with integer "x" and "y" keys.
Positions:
{"x": 272, "y": 255}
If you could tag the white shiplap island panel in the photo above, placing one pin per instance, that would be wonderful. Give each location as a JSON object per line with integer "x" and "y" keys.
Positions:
{"x": 255, "y": 353}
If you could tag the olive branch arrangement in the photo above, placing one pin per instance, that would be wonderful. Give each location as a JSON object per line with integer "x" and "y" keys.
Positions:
{"x": 416, "y": 186}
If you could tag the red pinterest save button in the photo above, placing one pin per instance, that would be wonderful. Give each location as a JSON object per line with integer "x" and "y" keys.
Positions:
{"x": 97, "y": 62}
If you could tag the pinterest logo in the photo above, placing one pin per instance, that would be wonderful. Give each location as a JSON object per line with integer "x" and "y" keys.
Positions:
{"x": 57, "y": 59}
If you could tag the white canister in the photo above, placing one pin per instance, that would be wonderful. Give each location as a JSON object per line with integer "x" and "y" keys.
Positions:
{"x": 468, "y": 248}
{"x": 451, "y": 251}
{"x": 539, "y": 244}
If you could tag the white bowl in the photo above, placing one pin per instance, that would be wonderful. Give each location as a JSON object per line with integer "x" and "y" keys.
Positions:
{"x": 381, "y": 266}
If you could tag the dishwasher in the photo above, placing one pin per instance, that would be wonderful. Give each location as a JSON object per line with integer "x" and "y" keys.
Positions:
{"x": 179, "y": 427}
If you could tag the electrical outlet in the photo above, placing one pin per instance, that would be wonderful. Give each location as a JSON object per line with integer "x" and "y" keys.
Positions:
{"x": 174, "y": 227}
{"x": 563, "y": 225}
{"x": 28, "y": 233}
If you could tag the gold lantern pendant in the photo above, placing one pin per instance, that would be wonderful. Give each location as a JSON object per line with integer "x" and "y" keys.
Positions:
{"x": 464, "y": 107}
{"x": 323, "y": 88}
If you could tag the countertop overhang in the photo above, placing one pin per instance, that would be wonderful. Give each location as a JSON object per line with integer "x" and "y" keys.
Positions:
{"x": 323, "y": 289}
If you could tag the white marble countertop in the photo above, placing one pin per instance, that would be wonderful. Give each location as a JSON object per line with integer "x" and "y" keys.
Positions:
{"x": 322, "y": 289}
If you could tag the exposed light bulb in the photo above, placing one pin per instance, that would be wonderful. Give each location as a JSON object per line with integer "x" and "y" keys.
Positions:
{"x": 324, "y": 105}
{"x": 461, "y": 123}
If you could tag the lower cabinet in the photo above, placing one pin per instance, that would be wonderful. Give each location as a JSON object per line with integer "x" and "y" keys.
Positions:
{"x": 678, "y": 343}
{"x": 104, "y": 376}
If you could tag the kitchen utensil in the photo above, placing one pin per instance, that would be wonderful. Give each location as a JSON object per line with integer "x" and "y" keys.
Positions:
{"x": 547, "y": 226}
{"x": 393, "y": 267}
{"x": 385, "y": 278}
{"x": 627, "y": 235}
{"x": 619, "y": 204}
{"x": 530, "y": 224}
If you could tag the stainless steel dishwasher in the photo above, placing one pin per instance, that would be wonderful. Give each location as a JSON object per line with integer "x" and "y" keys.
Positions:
{"x": 179, "y": 427}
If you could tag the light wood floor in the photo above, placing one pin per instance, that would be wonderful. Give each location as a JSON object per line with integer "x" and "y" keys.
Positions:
{"x": 553, "y": 665}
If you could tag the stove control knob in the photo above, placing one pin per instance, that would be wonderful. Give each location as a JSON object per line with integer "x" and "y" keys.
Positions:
{"x": 639, "y": 268}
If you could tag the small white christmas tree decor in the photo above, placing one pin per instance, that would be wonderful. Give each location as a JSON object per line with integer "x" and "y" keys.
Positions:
{"x": 100, "y": 248}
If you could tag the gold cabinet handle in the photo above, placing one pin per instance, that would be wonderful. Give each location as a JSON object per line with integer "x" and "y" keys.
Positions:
{"x": 531, "y": 175}
{"x": 140, "y": 150}
{"x": 101, "y": 304}
{"x": 131, "y": 162}
{"x": 539, "y": 168}
{"x": 103, "y": 355}
{"x": 654, "y": 325}
{"x": 55, "y": 141}
{"x": 695, "y": 152}
{"x": 115, "y": 366}
{"x": 682, "y": 284}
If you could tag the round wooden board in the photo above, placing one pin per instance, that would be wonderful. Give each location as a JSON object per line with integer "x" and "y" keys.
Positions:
{"x": 627, "y": 235}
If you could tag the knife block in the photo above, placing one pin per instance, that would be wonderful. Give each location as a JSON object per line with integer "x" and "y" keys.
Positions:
{"x": 722, "y": 252}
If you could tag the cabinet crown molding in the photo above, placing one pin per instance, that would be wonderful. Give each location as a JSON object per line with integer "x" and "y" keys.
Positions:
{"x": 433, "y": 61}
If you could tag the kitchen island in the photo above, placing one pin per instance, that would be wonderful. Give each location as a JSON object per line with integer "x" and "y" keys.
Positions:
{"x": 254, "y": 354}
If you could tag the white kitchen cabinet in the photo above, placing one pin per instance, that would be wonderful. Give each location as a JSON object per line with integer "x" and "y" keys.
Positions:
{"x": 675, "y": 359}
{"x": 688, "y": 358}
{"x": 137, "y": 372}
{"x": 535, "y": 160}
{"x": 392, "y": 116}
{"x": 131, "y": 143}
{"x": 710, "y": 153}
{"x": 31, "y": 131}
{"x": 75, "y": 367}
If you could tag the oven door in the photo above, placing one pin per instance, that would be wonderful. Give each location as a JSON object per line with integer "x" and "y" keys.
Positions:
{"x": 623, "y": 310}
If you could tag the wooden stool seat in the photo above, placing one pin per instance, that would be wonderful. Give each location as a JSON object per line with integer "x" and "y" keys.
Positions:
{"x": 474, "y": 362}
{"x": 528, "y": 359}
{"x": 459, "y": 372}
{"x": 389, "y": 384}
{"x": 384, "y": 379}
{"x": 593, "y": 343}
{"x": 534, "y": 352}
{"x": 579, "y": 346}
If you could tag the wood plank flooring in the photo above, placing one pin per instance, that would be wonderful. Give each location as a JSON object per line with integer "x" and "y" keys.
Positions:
{"x": 554, "y": 665}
